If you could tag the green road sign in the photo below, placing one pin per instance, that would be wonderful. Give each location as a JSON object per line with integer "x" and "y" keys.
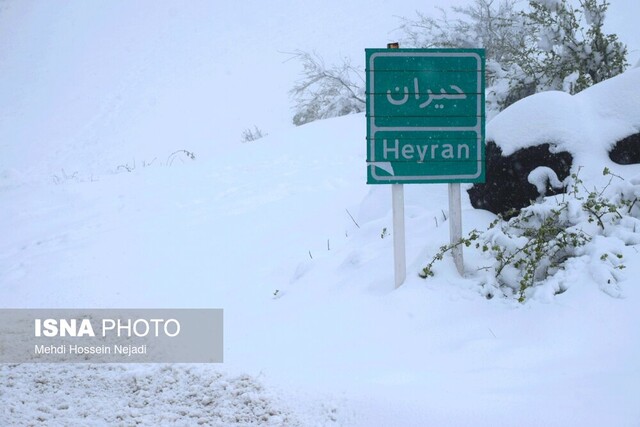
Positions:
{"x": 425, "y": 115}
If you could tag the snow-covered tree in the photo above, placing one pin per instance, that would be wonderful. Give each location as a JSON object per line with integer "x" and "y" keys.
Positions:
{"x": 492, "y": 25}
{"x": 496, "y": 26}
{"x": 551, "y": 45}
{"x": 575, "y": 53}
{"x": 324, "y": 92}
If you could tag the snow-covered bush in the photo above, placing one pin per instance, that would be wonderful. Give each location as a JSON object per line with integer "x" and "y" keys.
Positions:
{"x": 549, "y": 236}
{"x": 250, "y": 135}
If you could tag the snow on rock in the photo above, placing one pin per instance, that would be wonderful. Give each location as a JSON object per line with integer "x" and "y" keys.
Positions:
{"x": 593, "y": 129}
{"x": 547, "y": 117}
{"x": 543, "y": 177}
{"x": 507, "y": 186}
{"x": 586, "y": 124}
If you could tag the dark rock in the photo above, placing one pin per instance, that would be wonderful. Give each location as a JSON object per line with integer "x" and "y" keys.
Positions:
{"x": 626, "y": 151}
{"x": 507, "y": 187}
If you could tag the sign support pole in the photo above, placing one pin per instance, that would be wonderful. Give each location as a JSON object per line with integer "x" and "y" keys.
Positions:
{"x": 455, "y": 226}
{"x": 399, "y": 247}
{"x": 397, "y": 204}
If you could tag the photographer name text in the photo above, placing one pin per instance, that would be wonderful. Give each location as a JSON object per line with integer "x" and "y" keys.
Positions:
{"x": 76, "y": 349}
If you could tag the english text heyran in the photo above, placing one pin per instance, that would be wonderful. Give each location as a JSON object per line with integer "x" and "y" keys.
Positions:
{"x": 422, "y": 152}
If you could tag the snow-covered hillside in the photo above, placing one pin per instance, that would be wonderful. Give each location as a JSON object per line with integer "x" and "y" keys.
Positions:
{"x": 282, "y": 233}
{"x": 87, "y": 87}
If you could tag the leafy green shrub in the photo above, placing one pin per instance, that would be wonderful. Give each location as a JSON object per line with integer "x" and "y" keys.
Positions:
{"x": 540, "y": 241}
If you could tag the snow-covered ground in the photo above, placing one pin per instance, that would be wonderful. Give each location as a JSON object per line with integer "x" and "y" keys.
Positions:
{"x": 310, "y": 310}
{"x": 281, "y": 233}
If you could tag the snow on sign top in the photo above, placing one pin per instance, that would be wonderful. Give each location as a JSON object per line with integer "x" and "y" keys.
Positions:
{"x": 425, "y": 115}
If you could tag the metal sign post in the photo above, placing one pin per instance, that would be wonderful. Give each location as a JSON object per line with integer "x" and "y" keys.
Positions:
{"x": 425, "y": 124}
{"x": 455, "y": 226}
{"x": 397, "y": 208}
{"x": 399, "y": 245}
